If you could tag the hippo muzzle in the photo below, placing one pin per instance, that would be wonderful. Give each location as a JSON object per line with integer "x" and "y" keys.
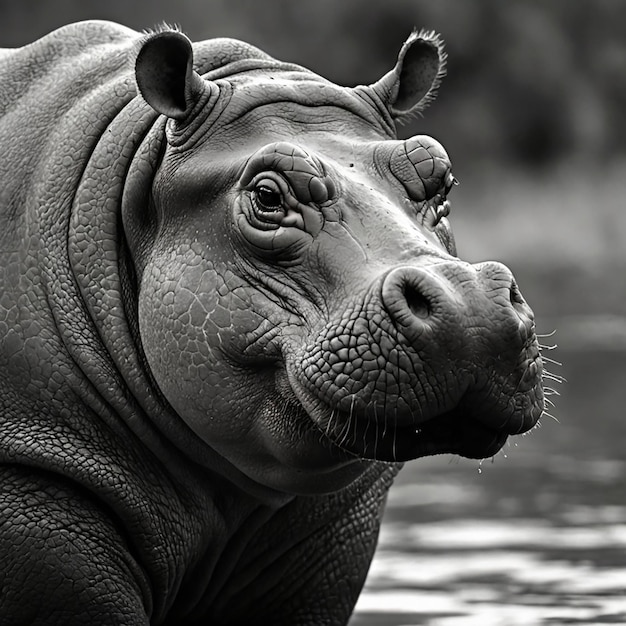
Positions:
{"x": 431, "y": 359}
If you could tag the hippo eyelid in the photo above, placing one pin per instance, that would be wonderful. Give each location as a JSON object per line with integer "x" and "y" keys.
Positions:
{"x": 270, "y": 197}
{"x": 304, "y": 173}
{"x": 273, "y": 181}
{"x": 421, "y": 165}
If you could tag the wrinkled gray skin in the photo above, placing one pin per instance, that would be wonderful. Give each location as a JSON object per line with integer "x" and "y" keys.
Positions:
{"x": 230, "y": 306}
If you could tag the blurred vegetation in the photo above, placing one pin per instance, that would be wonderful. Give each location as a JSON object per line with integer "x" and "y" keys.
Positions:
{"x": 529, "y": 82}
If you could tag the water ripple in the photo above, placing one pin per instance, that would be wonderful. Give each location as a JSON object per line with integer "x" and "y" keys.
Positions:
{"x": 521, "y": 572}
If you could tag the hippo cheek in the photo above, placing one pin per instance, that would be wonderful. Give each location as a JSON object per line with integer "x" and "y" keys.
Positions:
{"x": 183, "y": 323}
{"x": 213, "y": 360}
{"x": 433, "y": 359}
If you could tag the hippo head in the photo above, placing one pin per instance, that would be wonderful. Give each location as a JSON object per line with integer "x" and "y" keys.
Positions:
{"x": 301, "y": 304}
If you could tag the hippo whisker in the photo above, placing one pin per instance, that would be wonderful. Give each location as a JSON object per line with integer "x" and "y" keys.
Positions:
{"x": 352, "y": 420}
{"x": 549, "y": 360}
{"x": 351, "y": 438}
{"x": 553, "y": 377}
{"x": 550, "y": 416}
{"x": 543, "y": 347}
{"x": 345, "y": 431}
{"x": 333, "y": 415}
{"x": 546, "y": 335}
{"x": 541, "y": 336}
{"x": 367, "y": 426}
{"x": 329, "y": 422}
{"x": 384, "y": 416}
{"x": 376, "y": 436}
{"x": 394, "y": 456}
{"x": 549, "y": 391}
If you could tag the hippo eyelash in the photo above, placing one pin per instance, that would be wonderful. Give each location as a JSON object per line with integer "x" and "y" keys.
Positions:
{"x": 431, "y": 212}
{"x": 434, "y": 213}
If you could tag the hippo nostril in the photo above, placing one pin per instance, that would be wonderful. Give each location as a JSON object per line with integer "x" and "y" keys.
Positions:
{"x": 409, "y": 295}
{"x": 496, "y": 278}
{"x": 417, "y": 303}
{"x": 516, "y": 298}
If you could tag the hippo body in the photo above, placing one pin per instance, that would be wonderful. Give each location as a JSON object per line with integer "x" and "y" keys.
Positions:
{"x": 230, "y": 308}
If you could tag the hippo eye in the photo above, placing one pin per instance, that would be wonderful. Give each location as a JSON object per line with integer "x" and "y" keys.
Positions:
{"x": 267, "y": 197}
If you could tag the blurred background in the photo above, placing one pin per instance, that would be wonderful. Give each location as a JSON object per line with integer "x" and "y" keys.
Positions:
{"x": 533, "y": 115}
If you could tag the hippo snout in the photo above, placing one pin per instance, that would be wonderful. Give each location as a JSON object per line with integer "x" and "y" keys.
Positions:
{"x": 433, "y": 358}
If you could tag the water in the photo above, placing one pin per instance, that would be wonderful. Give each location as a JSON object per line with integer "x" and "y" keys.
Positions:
{"x": 535, "y": 536}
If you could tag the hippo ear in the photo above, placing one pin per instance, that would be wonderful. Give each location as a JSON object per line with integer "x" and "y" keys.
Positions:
{"x": 412, "y": 84}
{"x": 165, "y": 75}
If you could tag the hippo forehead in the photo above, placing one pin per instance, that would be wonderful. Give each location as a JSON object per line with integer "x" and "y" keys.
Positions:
{"x": 258, "y": 101}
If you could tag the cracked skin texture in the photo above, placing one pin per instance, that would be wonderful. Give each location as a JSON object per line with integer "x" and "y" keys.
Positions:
{"x": 230, "y": 306}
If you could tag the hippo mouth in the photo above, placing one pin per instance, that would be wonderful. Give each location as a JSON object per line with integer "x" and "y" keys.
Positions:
{"x": 466, "y": 430}
{"x": 452, "y": 432}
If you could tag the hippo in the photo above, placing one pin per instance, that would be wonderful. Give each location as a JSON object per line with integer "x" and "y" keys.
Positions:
{"x": 231, "y": 308}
